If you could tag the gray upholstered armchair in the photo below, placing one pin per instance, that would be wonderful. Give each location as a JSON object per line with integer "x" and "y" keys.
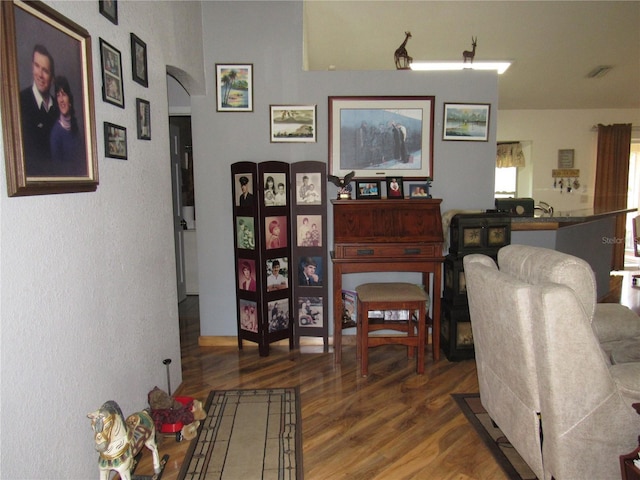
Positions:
{"x": 544, "y": 349}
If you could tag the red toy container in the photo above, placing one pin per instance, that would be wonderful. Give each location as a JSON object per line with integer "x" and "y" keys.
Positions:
{"x": 176, "y": 427}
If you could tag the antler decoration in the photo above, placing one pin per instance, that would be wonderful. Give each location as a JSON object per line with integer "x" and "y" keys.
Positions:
{"x": 343, "y": 184}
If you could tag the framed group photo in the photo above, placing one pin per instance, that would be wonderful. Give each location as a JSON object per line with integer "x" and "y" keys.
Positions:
{"x": 381, "y": 136}
{"x": 466, "y": 122}
{"x": 41, "y": 156}
{"x": 234, "y": 87}
{"x": 309, "y": 230}
{"x": 419, "y": 190}
{"x": 368, "y": 189}
{"x": 112, "y": 83}
{"x": 293, "y": 123}
{"x": 115, "y": 141}
{"x": 275, "y": 194}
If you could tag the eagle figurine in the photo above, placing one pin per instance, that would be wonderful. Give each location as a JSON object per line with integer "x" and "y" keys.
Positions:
{"x": 343, "y": 184}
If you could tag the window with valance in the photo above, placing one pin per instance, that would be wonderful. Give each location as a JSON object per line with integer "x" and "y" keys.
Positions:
{"x": 509, "y": 155}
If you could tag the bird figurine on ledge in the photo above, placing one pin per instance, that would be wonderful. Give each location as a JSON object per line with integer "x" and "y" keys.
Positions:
{"x": 343, "y": 184}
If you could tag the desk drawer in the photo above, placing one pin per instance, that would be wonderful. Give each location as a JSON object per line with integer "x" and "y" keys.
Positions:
{"x": 387, "y": 250}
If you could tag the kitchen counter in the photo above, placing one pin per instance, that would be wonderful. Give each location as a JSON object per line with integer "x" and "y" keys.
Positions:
{"x": 562, "y": 219}
{"x": 586, "y": 233}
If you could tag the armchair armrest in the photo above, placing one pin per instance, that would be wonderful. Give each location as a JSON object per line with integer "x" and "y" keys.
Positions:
{"x": 612, "y": 321}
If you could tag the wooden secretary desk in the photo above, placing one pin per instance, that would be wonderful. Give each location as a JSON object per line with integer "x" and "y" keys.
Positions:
{"x": 387, "y": 236}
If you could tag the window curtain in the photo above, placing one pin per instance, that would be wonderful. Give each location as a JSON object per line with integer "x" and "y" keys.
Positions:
{"x": 612, "y": 177}
{"x": 509, "y": 155}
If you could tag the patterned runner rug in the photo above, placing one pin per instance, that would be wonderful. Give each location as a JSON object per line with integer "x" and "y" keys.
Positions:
{"x": 507, "y": 457}
{"x": 248, "y": 434}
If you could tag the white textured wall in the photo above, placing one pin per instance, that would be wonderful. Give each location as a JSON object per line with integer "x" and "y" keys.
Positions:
{"x": 553, "y": 130}
{"x": 269, "y": 35}
{"x": 87, "y": 280}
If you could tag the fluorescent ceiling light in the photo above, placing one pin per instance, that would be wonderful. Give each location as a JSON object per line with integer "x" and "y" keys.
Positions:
{"x": 500, "y": 67}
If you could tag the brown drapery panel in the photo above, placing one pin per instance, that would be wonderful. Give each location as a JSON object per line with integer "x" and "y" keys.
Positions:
{"x": 612, "y": 177}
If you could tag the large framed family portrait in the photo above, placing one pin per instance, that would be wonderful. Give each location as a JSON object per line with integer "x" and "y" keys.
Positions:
{"x": 48, "y": 118}
{"x": 380, "y": 137}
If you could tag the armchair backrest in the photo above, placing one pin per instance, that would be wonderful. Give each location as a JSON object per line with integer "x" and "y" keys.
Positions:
{"x": 536, "y": 265}
{"x": 502, "y": 314}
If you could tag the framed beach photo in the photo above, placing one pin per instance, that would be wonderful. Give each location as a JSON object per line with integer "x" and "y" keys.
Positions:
{"x": 41, "y": 156}
{"x": 381, "y": 136}
{"x": 234, "y": 87}
{"x": 109, "y": 9}
{"x": 115, "y": 141}
{"x": 139, "y": 61}
{"x": 466, "y": 122}
{"x": 293, "y": 123}
{"x": 367, "y": 189}
{"x": 143, "y": 119}
{"x": 112, "y": 84}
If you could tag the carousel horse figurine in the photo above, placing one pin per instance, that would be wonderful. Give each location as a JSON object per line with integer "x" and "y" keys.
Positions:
{"x": 119, "y": 442}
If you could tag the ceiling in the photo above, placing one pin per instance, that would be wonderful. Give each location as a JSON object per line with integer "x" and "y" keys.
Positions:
{"x": 553, "y": 44}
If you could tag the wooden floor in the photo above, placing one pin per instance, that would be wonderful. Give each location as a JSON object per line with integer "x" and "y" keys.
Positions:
{"x": 393, "y": 424}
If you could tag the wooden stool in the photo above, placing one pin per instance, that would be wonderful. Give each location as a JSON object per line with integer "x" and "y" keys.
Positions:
{"x": 391, "y": 296}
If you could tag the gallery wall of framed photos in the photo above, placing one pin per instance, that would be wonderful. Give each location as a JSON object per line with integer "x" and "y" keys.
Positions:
{"x": 280, "y": 251}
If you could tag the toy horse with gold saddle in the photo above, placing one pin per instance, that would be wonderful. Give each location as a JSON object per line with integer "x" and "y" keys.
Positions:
{"x": 119, "y": 442}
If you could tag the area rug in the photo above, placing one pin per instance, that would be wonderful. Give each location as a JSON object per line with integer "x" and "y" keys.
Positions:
{"x": 504, "y": 453}
{"x": 248, "y": 434}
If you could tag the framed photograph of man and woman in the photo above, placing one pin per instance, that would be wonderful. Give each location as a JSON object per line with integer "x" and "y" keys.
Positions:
{"x": 48, "y": 116}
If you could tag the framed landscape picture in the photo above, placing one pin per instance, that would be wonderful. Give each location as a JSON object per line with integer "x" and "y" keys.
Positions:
{"x": 293, "y": 123}
{"x": 234, "y": 87}
{"x": 466, "y": 122}
{"x": 41, "y": 156}
{"x": 381, "y": 136}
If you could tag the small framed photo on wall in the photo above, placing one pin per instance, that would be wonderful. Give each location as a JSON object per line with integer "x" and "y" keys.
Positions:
{"x": 143, "y": 119}
{"x": 115, "y": 141}
{"x": 109, "y": 9}
{"x": 112, "y": 85}
{"x": 293, "y": 123}
{"x": 466, "y": 122}
{"x": 139, "y": 61}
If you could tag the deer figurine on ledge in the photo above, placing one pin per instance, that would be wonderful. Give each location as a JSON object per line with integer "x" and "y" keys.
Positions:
{"x": 468, "y": 55}
{"x": 402, "y": 58}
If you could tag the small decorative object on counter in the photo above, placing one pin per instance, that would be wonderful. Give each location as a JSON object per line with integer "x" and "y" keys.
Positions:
{"x": 118, "y": 442}
{"x": 343, "y": 184}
